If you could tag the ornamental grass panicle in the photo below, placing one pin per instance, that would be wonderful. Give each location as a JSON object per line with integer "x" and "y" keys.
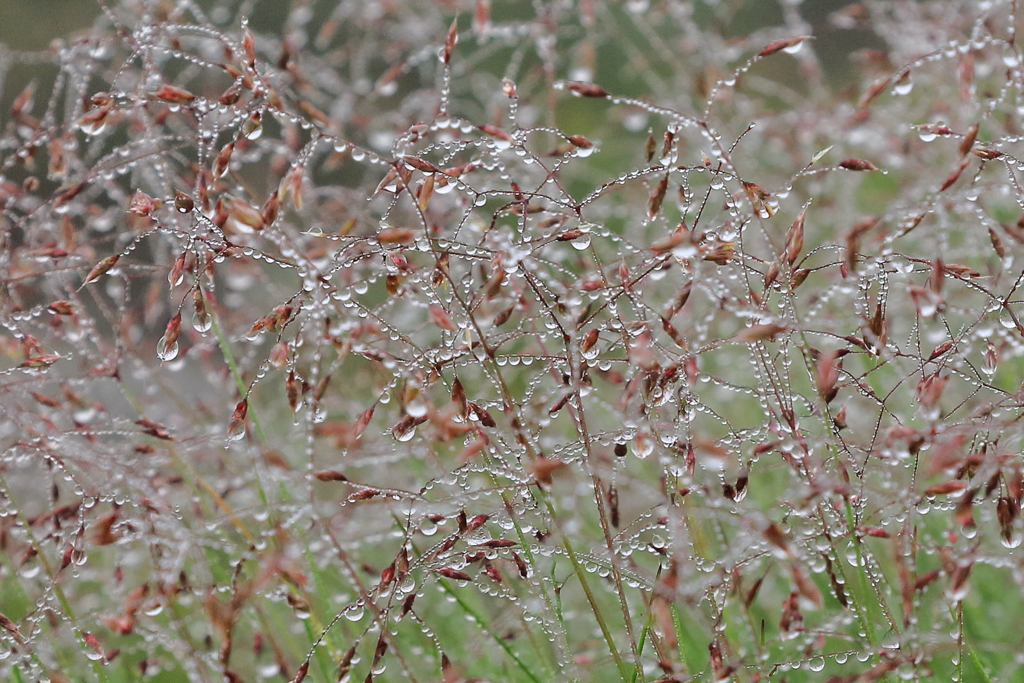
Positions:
{"x": 557, "y": 341}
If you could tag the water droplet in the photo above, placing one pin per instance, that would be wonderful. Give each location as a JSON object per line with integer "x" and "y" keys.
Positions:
{"x": 416, "y": 408}
{"x": 991, "y": 363}
{"x": 252, "y": 129}
{"x": 94, "y": 127}
{"x": 166, "y": 352}
{"x": 643, "y": 445}
{"x": 236, "y": 431}
{"x": 903, "y": 87}
{"x": 959, "y": 593}
{"x": 268, "y": 670}
{"x": 582, "y": 242}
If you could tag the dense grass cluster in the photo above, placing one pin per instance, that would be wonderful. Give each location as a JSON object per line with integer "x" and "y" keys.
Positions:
{"x": 554, "y": 341}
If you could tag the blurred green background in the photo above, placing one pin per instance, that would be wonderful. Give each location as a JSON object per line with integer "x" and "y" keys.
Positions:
{"x": 32, "y": 24}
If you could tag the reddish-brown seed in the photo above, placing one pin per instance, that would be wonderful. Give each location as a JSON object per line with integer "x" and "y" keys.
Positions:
{"x": 954, "y": 174}
{"x": 758, "y": 197}
{"x": 238, "y": 416}
{"x": 301, "y": 673}
{"x": 330, "y": 475}
{"x": 475, "y": 523}
{"x": 458, "y": 575}
{"x": 11, "y": 628}
{"x": 482, "y": 414}
{"x": 941, "y": 349}
{"x": 756, "y": 333}
{"x": 776, "y": 46}
{"x": 174, "y": 95}
{"x": 929, "y": 389}
{"x": 449, "y": 42}
{"x": 425, "y": 192}
{"x": 268, "y": 214}
{"x": 249, "y": 48}
{"x": 481, "y": 17}
{"x": 494, "y": 132}
{"x": 857, "y": 165}
{"x": 586, "y": 89}
{"x": 679, "y": 236}
{"x": 101, "y": 268}
{"x": 581, "y": 141}
{"x": 945, "y": 488}
{"x": 395, "y": 235}
{"x": 657, "y": 196}
{"x": 968, "y": 141}
{"x": 997, "y": 245}
{"x": 223, "y": 160}
{"x": 171, "y": 332}
{"x": 795, "y": 238}
{"x": 45, "y": 400}
{"x": 61, "y": 308}
{"x": 986, "y": 153}
{"x": 293, "y": 390}
{"x": 439, "y": 317}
